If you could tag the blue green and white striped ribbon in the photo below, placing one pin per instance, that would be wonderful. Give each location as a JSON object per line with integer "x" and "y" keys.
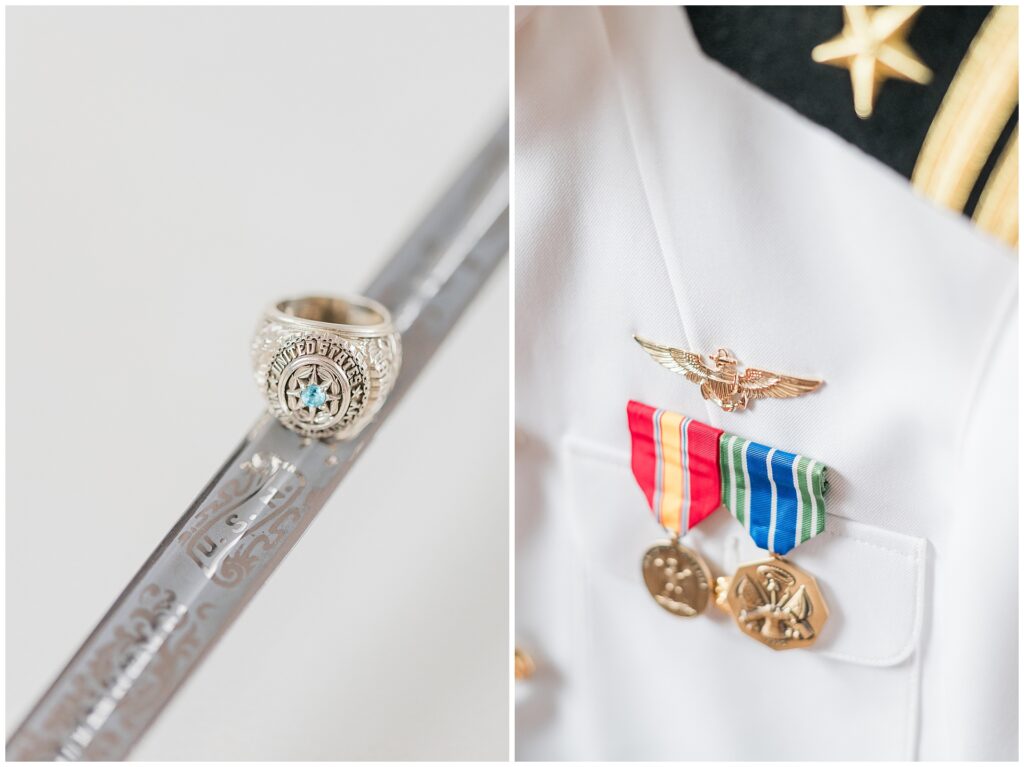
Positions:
{"x": 778, "y": 497}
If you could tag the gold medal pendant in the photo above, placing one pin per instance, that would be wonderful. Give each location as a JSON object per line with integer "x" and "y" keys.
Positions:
{"x": 775, "y": 602}
{"x": 677, "y": 577}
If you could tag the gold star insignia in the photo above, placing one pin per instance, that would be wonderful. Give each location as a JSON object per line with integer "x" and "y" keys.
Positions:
{"x": 873, "y": 46}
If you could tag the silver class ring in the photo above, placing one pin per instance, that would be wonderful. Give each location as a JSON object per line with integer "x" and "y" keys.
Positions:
{"x": 325, "y": 364}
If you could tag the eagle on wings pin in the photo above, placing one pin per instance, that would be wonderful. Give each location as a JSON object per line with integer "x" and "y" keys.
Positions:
{"x": 724, "y": 384}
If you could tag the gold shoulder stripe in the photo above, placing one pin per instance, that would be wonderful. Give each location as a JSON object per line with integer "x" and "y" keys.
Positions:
{"x": 997, "y": 210}
{"x": 980, "y": 100}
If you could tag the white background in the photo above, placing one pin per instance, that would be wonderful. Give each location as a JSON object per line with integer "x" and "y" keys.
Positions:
{"x": 170, "y": 172}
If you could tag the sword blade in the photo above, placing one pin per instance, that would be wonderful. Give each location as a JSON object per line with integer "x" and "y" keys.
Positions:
{"x": 258, "y": 504}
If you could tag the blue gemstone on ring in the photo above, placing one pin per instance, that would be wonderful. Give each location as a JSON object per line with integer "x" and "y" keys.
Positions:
{"x": 313, "y": 396}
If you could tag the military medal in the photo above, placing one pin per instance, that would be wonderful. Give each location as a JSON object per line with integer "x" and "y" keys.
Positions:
{"x": 686, "y": 470}
{"x": 675, "y": 462}
{"x": 779, "y": 498}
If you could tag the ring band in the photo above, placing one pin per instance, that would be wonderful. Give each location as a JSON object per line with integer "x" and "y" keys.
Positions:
{"x": 326, "y": 363}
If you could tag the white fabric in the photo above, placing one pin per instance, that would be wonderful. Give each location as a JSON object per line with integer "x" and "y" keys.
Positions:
{"x": 657, "y": 193}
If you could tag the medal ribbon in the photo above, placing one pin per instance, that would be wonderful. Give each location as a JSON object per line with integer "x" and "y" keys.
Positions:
{"x": 675, "y": 462}
{"x": 687, "y": 469}
{"x": 778, "y": 497}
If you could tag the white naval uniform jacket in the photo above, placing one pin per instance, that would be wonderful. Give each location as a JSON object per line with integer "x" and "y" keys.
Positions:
{"x": 658, "y": 193}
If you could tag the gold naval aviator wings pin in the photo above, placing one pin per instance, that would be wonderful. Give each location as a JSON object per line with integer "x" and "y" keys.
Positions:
{"x": 723, "y": 384}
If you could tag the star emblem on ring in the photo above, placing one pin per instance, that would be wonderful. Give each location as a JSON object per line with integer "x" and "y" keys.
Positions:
{"x": 311, "y": 391}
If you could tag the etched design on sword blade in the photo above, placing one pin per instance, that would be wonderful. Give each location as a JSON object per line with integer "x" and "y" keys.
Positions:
{"x": 252, "y": 515}
{"x": 123, "y": 684}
